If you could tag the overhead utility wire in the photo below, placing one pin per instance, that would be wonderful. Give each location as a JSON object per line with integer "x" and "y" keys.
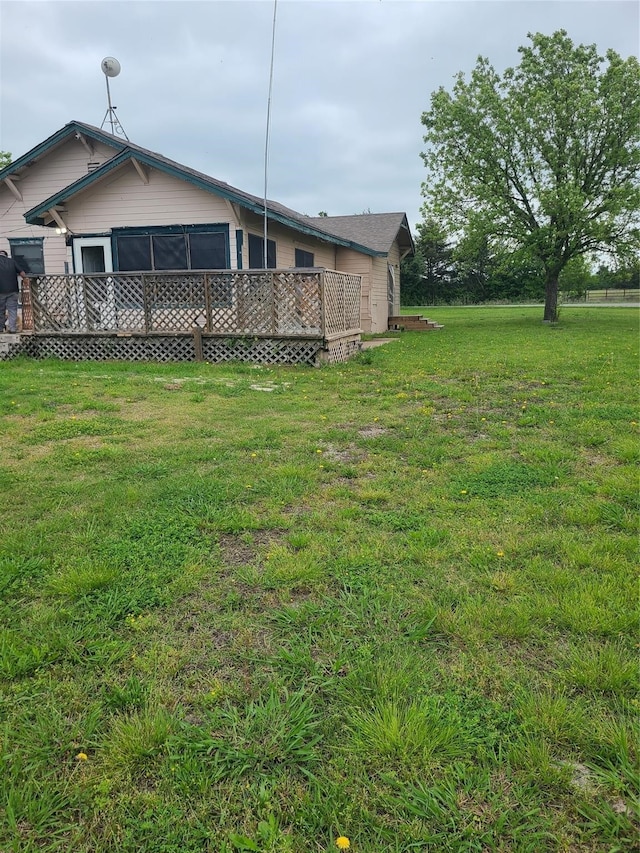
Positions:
{"x": 266, "y": 141}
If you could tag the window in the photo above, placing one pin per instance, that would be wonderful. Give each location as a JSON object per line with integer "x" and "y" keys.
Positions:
{"x": 170, "y": 252}
{"x": 28, "y": 254}
{"x": 256, "y": 253}
{"x": 134, "y": 253}
{"x": 92, "y": 258}
{"x": 304, "y": 258}
{"x": 176, "y": 247}
{"x": 208, "y": 251}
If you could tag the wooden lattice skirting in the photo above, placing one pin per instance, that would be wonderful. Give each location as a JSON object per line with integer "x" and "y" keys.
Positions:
{"x": 185, "y": 347}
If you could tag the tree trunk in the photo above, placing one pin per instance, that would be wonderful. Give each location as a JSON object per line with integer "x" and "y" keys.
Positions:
{"x": 551, "y": 297}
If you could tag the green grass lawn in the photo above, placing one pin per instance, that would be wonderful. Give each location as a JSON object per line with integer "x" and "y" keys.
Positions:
{"x": 256, "y": 609}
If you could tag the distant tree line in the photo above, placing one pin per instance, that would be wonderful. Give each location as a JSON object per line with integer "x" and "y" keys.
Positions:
{"x": 474, "y": 270}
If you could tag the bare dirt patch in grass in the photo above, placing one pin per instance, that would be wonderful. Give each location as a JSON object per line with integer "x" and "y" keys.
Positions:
{"x": 372, "y": 432}
{"x": 244, "y": 549}
{"x": 347, "y": 454}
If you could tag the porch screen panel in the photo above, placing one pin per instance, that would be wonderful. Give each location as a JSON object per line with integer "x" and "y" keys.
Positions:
{"x": 134, "y": 253}
{"x": 169, "y": 252}
{"x": 208, "y": 251}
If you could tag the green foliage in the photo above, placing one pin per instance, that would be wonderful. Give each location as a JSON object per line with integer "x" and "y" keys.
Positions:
{"x": 5, "y": 159}
{"x": 545, "y": 157}
{"x": 427, "y": 273}
{"x": 576, "y": 277}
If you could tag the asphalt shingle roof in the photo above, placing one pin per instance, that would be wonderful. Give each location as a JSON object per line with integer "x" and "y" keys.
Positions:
{"x": 376, "y": 231}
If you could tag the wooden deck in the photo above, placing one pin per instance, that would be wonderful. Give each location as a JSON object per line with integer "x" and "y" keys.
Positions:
{"x": 268, "y": 316}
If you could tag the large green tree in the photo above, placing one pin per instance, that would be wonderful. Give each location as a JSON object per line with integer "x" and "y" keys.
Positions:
{"x": 546, "y": 155}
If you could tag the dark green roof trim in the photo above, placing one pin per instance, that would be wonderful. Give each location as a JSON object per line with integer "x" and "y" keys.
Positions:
{"x": 54, "y": 140}
{"x": 35, "y": 216}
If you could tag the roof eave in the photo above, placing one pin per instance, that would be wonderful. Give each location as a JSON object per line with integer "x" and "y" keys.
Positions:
{"x": 35, "y": 216}
{"x": 54, "y": 140}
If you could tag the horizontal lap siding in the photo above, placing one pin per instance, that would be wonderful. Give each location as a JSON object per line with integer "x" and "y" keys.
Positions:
{"x": 379, "y": 302}
{"x": 124, "y": 201}
{"x": 49, "y": 175}
{"x": 58, "y": 169}
{"x": 287, "y": 241}
{"x": 348, "y": 260}
{"x": 394, "y": 259}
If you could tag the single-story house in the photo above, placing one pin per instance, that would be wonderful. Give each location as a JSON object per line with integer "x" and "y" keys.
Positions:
{"x": 88, "y": 201}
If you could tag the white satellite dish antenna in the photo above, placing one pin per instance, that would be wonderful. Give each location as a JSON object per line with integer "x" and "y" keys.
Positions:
{"x": 111, "y": 68}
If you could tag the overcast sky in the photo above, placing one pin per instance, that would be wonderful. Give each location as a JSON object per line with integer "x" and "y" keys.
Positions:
{"x": 350, "y": 82}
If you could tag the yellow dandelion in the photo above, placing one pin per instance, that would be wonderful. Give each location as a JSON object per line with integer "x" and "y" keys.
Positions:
{"x": 342, "y": 842}
{"x": 463, "y": 491}
{"x": 82, "y": 756}
{"x": 500, "y": 553}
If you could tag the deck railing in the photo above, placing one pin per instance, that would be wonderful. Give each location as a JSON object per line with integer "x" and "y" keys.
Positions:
{"x": 282, "y": 303}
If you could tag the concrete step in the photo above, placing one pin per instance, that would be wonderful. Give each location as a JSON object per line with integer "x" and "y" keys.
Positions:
{"x": 413, "y": 323}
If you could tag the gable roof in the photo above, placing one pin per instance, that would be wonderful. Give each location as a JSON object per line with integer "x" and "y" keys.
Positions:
{"x": 372, "y": 234}
{"x": 377, "y": 230}
{"x": 73, "y": 128}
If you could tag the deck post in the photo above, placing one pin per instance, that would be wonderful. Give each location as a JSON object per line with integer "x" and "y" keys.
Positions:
{"x": 323, "y": 315}
{"x": 274, "y": 316}
{"x": 197, "y": 343}
{"x": 27, "y": 313}
{"x": 207, "y": 303}
{"x": 145, "y": 305}
{"x": 344, "y": 305}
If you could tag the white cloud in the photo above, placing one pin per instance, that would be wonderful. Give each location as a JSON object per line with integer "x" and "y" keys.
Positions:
{"x": 351, "y": 80}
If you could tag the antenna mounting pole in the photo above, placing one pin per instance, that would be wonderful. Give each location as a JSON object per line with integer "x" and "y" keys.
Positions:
{"x": 111, "y": 68}
{"x": 266, "y": 141}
